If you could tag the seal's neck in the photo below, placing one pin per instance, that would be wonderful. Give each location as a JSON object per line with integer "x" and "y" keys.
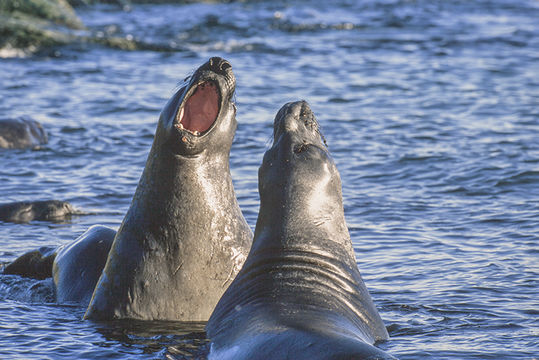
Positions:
{"x": 170, "y": 178}
{"x": 179, "y": 195}
{"x": 302, "y": 212}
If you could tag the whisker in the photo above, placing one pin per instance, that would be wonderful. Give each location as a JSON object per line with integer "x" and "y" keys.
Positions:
{"x": 269, "y": 142}
{"x": 184, "y": 82}
{"x": 319, "y": 131}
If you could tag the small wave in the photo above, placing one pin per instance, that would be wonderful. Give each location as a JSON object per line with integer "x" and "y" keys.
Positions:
{"x": 522, "y": 178}
{"x": 73, "y": 129}
{"x": 233, "y": 46}
{"x": 290, "y": 27}
{"x": 401, "y": 330}
{"x": 484, "y": 40}
{"x": 411, "y": 158}
{"x": 14, "y": 287}
{"x": 339, "y": 100}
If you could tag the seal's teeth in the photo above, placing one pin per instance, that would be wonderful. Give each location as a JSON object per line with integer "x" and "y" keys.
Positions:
{"x": 181, "y": 115}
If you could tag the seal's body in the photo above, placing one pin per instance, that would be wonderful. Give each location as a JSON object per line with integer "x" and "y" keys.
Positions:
{"x": 299, "y": 294}
{"x": 78, "y": 265}
{"x": 184, "y": 237}
{"x": 35, "y": 264}
{"x": 21, "y": 133}
{"x": 42, "y": 210}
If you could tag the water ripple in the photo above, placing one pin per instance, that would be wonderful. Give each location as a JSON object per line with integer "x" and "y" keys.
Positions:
{"x": 429, "y": 110}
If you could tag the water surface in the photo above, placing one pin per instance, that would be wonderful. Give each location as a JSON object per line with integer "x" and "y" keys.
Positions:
{"x": 430, "y": 109}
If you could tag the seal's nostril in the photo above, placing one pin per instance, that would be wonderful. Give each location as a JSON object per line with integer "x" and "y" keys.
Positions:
{"x": 218, "y": 64}
{"x": 225, "y": 65}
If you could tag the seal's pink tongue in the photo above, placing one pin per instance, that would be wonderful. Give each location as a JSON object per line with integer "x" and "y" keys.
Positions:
{"x": 200, "y": 110}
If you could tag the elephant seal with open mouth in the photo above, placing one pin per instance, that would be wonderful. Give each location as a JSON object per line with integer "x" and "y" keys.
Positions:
{"x": 299, "y": 294}
{"x": 184, "y": 237}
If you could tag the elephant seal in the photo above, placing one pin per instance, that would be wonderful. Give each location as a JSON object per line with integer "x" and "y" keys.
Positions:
{"x": 78, "y": 265}
{"x": 75, "y": 267}
{"x": 184, "y": 237}
{"x": 45, "y": 210}
{"x": 21, "y": 133}
{"x": 36, "y": 264}
{"x": 299, "y": 294}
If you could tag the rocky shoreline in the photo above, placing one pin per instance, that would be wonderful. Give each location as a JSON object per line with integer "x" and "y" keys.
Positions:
{"x": 31, "y": 26}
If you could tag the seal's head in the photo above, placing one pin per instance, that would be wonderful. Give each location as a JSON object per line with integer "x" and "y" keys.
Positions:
{"x": 202, "y": 113}
{"x": 299, "y": 184}
{"x": 298, "y": 156}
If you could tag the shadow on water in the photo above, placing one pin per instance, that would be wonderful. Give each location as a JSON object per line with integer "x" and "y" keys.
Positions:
{"x": 168, "y": 339}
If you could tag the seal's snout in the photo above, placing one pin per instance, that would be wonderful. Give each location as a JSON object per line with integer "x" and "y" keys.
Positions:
{"x": 293, "y": 115}
{"x": 219, "y": 65}
{"x": 298, "y": 120}
{"x": 306, "y": 115}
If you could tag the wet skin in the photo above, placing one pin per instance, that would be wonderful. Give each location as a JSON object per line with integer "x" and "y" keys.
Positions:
{"x": 299, "y": 294}
{"x": 184, "y": 237}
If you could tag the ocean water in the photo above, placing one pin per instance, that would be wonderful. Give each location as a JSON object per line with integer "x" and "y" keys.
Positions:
{"x": 430, "y": 110}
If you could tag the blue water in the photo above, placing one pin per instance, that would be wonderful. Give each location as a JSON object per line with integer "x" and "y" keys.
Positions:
{"x": 430, "y": 109}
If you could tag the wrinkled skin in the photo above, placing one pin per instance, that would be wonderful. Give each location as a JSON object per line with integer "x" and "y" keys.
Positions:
{"x": 184, "y": 237}
{"x": 299, "y": 294}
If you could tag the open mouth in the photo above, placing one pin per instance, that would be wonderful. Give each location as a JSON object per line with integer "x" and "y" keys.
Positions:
{"x": 200, "y": 110}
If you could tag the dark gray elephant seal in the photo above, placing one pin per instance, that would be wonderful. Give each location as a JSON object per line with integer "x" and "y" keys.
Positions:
{"x": 299, "y": 294}
{"x": 21, "y": 133}
{"x": 184, "y": 237}
{"x": 75, "y": 267}
{"x": 44, "y": 210}
{"x": 36, "y": 264}
{"x": 78, "y": 265}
